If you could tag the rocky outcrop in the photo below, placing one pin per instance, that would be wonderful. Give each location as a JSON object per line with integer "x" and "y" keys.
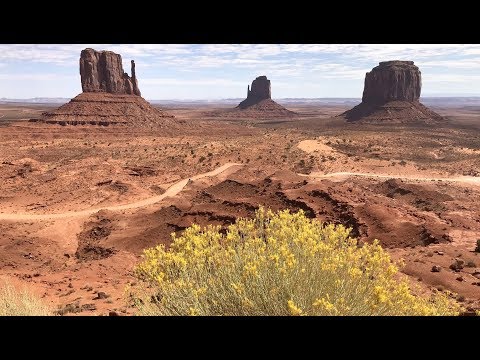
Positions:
{"x": 261, "y": 90}
{"x": 391, "y": 94}
{"x": 108, "y": 109}
{"x": 392, "y": 80}
{"x": 102, "y": 71}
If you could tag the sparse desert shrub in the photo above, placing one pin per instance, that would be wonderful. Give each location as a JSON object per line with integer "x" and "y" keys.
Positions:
{"x": 477, "y": 249}
{"x": 24, "y": 170}
{"x": 471, "y": 264}
{"x": 20, "y": 303}
{"x": 276, "y": 264}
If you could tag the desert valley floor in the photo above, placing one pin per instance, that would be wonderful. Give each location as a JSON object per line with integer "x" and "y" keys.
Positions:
{"x": 80, "y": 203}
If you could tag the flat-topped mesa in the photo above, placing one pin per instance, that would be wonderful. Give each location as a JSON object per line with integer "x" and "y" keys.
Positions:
{"x": 392, "y": 81}
{"x": 391, "y": 95}
{"x": 102, "y": 71}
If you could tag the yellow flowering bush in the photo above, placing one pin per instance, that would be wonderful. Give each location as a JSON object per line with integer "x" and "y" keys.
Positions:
{"x": 276, "y": 264}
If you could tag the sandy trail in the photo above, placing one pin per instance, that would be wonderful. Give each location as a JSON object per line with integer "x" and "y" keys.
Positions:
{"x": 171, "y": 191}
{"x": 459, "y": 179}
{"x": 178, "y": 187}
{"x": 310, "y": 146}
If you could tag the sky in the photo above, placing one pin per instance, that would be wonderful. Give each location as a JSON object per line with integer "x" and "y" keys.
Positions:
{"x": 221, "y": 71}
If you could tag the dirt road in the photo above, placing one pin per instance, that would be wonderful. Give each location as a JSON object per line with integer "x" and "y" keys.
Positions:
{"x": 458, "y": 179}
{"x": 171, "y": 191}
{"x": 178, "y": 187}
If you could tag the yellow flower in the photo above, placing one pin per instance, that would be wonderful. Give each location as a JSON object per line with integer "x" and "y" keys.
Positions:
{"x": 381, "y": 294}
{"x": 355, "y": 272}
{"x": 293, "y": 309}
{"x": 325, "y": 304}
{"x": 193, "y": 311}
{"x": 247, "y": 303}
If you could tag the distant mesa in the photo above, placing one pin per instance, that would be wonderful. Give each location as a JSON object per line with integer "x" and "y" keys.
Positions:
{"x": 110, "y": 96}
{"x": 258, "y": 104}
{"x": 261, "y": 90}
{"x": 391, "y": 95}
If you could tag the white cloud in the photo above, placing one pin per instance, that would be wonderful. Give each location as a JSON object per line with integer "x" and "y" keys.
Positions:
{"x": 192, "y": 82}
{"x": 38, "y": 77}
{"x": 212, "y": 55}
{"x": 236, "y": 65}
{"x": 451, "y": 78}
{"x": 469, "y": 64}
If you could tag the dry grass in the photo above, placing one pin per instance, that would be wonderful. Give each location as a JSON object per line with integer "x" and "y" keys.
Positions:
{"x": 14, "y": 302}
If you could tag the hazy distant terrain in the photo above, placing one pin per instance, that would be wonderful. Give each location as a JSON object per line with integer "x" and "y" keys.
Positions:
{"x": 428, "y": 101}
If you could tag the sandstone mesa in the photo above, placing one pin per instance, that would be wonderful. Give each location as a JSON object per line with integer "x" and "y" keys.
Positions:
{"x": 391, "y": 94}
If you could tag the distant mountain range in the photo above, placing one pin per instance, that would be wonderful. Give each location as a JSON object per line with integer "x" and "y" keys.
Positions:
{"x": 429, "y": 101}
{"x": 38, "y": 100}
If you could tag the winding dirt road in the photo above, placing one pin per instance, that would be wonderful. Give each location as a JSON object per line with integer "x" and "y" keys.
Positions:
{"x": 458, "y": 179}
{"x": 171, "y": 191}
{"x": 178, "y": 187}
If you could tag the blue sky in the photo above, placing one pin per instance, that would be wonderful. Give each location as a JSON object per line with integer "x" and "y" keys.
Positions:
{"x": 216, "y": 71}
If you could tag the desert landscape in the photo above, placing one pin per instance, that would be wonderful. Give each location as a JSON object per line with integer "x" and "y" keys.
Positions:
{"x": 87, "y": 186}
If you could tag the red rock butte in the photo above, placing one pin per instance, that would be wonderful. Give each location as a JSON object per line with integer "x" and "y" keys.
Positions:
{"x": 110, "y": 96}
{"x": 259, "y": 101}
{"x": 391, "y": 95}
{"x": 102, "y": 71}
{"x": 261, "y": 90}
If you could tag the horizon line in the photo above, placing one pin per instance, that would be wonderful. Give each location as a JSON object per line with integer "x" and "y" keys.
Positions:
{"x": 239, "y": 98}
